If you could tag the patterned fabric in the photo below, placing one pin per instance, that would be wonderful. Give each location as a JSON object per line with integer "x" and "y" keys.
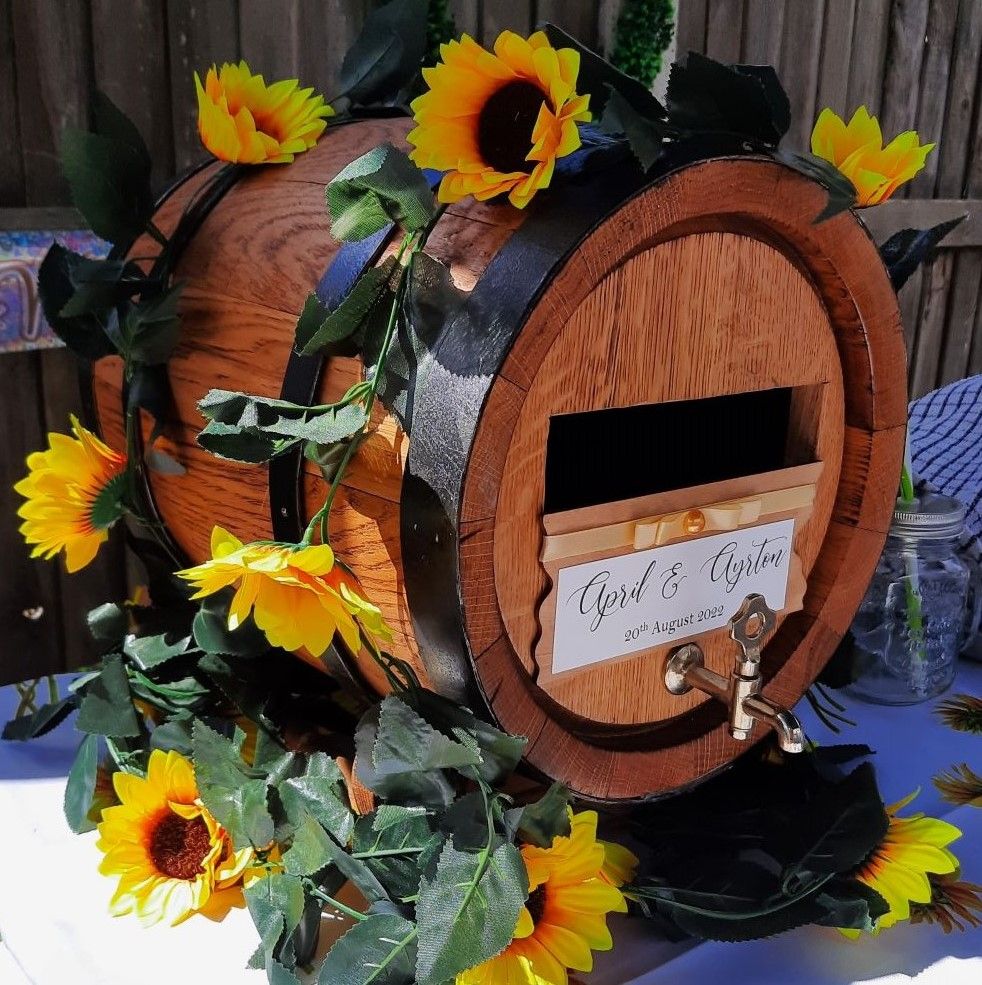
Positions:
{"x": 946, "y": 446}
{"x": 22, "y": 324}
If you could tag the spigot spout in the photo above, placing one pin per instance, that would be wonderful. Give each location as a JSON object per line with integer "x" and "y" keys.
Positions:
{"x": 790, "y": 734}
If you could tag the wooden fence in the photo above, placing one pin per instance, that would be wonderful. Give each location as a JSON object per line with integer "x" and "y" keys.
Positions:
{"x": 915, "y": 62}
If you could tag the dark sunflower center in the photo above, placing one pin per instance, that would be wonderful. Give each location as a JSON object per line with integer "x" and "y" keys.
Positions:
{"x": 178, "y": 846}
{"x": 536, "y": 903}
{"x": 504, "y": 128}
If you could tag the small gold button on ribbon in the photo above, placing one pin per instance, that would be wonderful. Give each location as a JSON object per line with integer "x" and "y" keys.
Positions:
{"x": 694, "y": 522}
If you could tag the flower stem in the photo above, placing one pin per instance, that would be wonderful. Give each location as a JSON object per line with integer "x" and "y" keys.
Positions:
{"x": 413, "y": 243}
{"x": 314, "y": 890}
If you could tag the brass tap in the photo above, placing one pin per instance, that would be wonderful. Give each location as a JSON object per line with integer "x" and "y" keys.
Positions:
{"x": 686, "y": 669}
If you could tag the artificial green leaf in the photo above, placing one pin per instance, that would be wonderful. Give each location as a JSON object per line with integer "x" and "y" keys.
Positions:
{"x": 842, "y": 193}
{"x": 321, "y": 331}
{"x": 407, "y": 743}
{"x": 153, "y": 326}
{"x": 707, "y": 96}
{"x": 645, "y": 136}
{"x": 850, "y": 904}
{"x": 380, "y": 950}
{"x": 110, "y": 121}
{"x": 100, "y": 285}
{"x": 110, "y": 185}
{"x": 328, "y": 458}
{"x": 175, "y": 734}
{"x": 546, "y": 818}
{"x": 174, "y": 695}
{"x": 845, "y": 822}
{"x": 235, "y": 798}
{"x": 87, "y": 335}
{"x": 108, "y": 623}
{"x": 149, "y": 388}
{"x": 599, "y": 78}
{"x": 241, "y": 444}
{"x": 432, "y": 301}
{"x": 499, "y": 752}
{"x": 397, "y": 844}
{"x": 309, "y": 853}
{"x": 148, "y": 652}
{"x": 355, "y": 870}
{"x": 387, "y": 54}
{"x": 80, "y": 788}
{"x": 467, "y": 912}
{"x": 319, "y": 791}
{"x": 379, "y": 188}
{"x": 327, "y": 427}
{"x": 106, "y": 707}
{"x": 211, "y": 632}
{"x": 39, "y": 722}
{"x": 276, "y": 904}
{"x": 907, "y": 249}
{"x": 411, "y": 787}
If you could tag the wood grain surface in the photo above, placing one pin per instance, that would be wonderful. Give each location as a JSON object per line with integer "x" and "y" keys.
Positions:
{"x": 714, "y": 281}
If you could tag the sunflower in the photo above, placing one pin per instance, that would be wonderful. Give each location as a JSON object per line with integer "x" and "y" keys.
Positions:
{"x": 573, "y": 885}
{"x": 298, "y": 596}
{"x": 496, "y": 123}
{"x": 954, "y": 905}
{"x": 172, "y": 857}
{"x": 857, "y": 150}
{"x": 74, "y": 495}
{"x": 242, "y": 119}
{"x": 899, "y": 867}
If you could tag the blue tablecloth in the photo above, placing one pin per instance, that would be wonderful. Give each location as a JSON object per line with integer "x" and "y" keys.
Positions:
{"x": 56, "y": 931}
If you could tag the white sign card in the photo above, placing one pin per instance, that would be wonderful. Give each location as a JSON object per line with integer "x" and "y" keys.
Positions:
{"x": 632, "y": 602}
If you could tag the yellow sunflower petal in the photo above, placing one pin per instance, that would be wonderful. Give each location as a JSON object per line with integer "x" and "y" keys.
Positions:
{"x": 242, "y": 119}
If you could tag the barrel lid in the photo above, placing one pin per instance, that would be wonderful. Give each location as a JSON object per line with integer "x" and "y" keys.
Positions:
{"x": 930, "y": 515}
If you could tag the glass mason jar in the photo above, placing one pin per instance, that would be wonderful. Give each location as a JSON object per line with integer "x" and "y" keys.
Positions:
{"x": 911, "y": 624}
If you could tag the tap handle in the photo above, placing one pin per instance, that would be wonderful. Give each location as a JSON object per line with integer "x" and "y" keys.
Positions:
{"x": 753, "y": 622}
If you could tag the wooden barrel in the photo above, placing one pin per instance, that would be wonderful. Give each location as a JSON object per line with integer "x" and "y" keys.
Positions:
{"x": 625, "y": 344}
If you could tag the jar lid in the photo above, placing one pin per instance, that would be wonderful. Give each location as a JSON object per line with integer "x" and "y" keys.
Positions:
{"x": 930, "y": 515}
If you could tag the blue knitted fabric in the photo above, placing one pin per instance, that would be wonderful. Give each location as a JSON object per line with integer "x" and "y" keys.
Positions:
{"x": 946, "y": 447}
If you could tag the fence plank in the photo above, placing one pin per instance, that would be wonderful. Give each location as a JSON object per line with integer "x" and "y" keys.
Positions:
{"x": 963, "y": 92}
{"x": 269, "y": 37}
{"x": 800, "y": 58}
{"x": 607, "y": 13}
{"x": 961, "y": 355}
{"x": 691, "y": 29}
{"x": 905, "y": 56}
{"x": 130, "y": 63}
{"x": 724, "y": 30}
{"x": 833, "y": 76}
{"x": 763, "y": 29}
{"x": 936, "y": 278}
{"x": 504, "y": 15}
{"x": 936, "y": 72}
{"x": 898, "y": 112}
{"x": 919, "y": 213}
{"x": 962, "y": 314}
{"x": 326, "y": 33}
{"x": 578, "y": 18}
{"x": 11, "y": 162}
{"x": 32, "y": 639}
{"x": 871, "y": 28}
{"x": 200, "y": 33}
{"x": 52, "y": 58}
{"x": 467, "y": 17}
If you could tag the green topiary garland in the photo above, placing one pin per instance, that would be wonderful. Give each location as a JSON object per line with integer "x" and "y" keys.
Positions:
{"x": 644, "y": 32}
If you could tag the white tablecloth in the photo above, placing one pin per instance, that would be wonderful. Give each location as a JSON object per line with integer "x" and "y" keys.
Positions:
{"x": 55, "y": 929}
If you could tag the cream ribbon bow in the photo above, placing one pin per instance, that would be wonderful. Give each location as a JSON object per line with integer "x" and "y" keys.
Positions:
{"x": 672, "y": 526}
